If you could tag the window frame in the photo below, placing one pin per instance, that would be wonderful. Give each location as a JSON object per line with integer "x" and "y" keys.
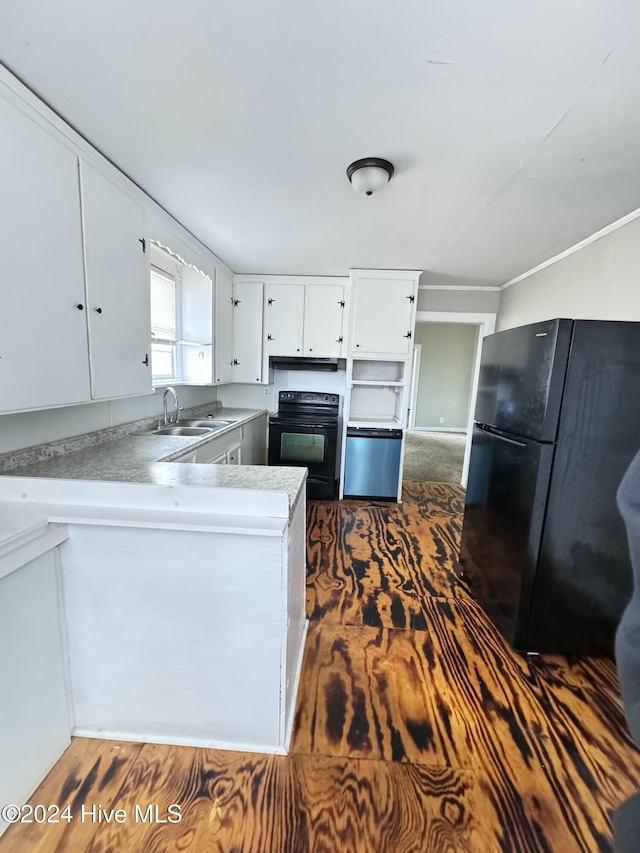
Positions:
{"x": 167, "y": 266}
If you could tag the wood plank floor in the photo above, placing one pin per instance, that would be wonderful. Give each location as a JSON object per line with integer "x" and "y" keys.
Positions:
{"x": 417, "y": 729}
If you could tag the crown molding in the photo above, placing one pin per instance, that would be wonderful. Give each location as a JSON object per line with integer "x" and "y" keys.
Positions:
{"x": 608, "y": 229}
{"x": 476, "y": 287}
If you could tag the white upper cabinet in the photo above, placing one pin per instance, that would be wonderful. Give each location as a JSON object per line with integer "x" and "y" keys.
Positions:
{"x": 196, "y": 344}
{"x": 283, "y": 319}
{"x": 304, "y": 320}
{"x": 197, "y": 306}
{"x": 247, "y": 332}
{"x": 43, "y": 332}
{"x": 324, "y": 312}
{"x": 383, "y": 312}
{"x": 224, "y": 327}
{"x": 117, "y": 278}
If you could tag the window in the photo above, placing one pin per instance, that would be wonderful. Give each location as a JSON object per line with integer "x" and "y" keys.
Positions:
{"x": 164, "y": 326}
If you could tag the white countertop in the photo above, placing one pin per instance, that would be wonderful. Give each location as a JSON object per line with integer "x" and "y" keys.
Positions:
{"x": 131, "y": 477}
{"x": 146, "y": 458}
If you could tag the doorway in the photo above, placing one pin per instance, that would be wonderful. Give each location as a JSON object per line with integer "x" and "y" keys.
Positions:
{"x": 443, "y": 394}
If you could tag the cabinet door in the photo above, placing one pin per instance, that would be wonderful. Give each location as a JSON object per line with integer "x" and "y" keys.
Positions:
{"x": 234, "y": 455}
{"x": 117, "y": 276}
{"x": 247, "y": 332}
{"x": 383, "y": 315}
{"x": 43, "y": 330}
{"x": 223, "y": 328}
{"x": 35, "y": 717}
{"x": 197, "y": 306}
{"x": 323, "y": 318}
{"x": 283, "y": 319}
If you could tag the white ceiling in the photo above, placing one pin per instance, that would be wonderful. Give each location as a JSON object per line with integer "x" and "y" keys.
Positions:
{"x": 514, "y": 125}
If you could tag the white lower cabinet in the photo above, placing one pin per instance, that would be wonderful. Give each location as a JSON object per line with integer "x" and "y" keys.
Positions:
{"x": 218, "y": 450}
{"x": 234, "y": 454}
{"x": 254, "y": 441}
{"x": 35, "y": 723}
{"x": 244, "y": 445}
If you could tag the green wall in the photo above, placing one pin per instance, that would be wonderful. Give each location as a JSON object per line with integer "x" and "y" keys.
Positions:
{"x": 446, "y": 369}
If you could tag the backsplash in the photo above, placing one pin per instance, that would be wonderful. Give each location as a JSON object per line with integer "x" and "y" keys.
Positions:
{"x": 45, "y": 426}
{"x": 41, "y": 452}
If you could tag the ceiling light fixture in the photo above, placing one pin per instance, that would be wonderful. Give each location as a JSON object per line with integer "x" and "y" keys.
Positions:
{"x": 369, "y": 175}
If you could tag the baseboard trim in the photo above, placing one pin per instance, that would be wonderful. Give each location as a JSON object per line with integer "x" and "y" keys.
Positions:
{"x": 171, "y": 740}
{"x": 438, "y": 429}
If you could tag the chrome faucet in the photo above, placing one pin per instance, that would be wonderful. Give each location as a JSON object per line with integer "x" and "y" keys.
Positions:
{"x": 177, "y": 405}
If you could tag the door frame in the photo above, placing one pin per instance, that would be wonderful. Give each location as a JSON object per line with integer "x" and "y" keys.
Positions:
{"x": 486, "y": 324}
{"x": 415, "y": 382}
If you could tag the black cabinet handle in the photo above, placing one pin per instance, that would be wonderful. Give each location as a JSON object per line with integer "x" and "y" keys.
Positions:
{"x": 236, "y": 302}
{"x": 80, "y": 306}
{"x": 408, "y": 335}
{"x": 98, "y": 310}
{"x": 339, "y": 340}
{"x": 411, "y": 298}
{"x": 235, "y": 362}
{"x": 146, "y": 359}
{"x": 269, "y": 338}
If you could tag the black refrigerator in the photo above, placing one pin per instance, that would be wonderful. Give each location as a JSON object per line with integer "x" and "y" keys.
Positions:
{"x": 557, "y": 422}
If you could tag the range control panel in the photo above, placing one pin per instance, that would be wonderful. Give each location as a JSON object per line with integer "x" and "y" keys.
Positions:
{"x": 308, "y": 398}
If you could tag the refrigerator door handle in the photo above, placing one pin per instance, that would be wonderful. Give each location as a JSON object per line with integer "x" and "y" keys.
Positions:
{"x": 503, "y": 437}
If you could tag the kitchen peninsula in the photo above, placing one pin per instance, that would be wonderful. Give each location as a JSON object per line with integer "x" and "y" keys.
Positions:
{"x": 148, "y": 600}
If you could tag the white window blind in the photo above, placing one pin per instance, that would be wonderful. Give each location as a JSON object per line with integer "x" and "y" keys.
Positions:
{"x": 164, "y": 324}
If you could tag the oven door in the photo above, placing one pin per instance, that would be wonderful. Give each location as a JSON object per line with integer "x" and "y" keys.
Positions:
{"x": 308, "y": 445}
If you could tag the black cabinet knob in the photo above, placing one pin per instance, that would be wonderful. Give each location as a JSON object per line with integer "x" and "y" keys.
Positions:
{"x": 98, "y": 310}
{"x": 80, "y": 306}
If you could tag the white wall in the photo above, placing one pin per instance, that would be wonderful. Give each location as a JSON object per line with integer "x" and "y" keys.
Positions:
{"x": 26, "y": 429}
{"x": 446, "y": 370}
{"x": 461, "y": 301}
{"x": 254, "y": 397}
{"x": 600, "y": 281}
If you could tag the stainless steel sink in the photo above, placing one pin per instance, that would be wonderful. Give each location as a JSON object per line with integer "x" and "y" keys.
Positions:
{"x": 182, "y": 430}
{"x": 208, "y": 423}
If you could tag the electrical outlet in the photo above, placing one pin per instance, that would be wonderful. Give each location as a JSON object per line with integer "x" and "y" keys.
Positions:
{"x": 441, "y": 420}
{"x": 266, "y": 392}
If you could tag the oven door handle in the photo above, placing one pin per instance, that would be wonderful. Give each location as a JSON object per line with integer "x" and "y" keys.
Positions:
{"x": 298, "y": 425}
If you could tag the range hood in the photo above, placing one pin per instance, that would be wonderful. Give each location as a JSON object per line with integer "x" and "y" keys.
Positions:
{"x": 281, "y": 362}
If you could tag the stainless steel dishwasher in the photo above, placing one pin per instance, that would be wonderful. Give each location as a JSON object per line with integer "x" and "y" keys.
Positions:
{"x": 372, "y": 463}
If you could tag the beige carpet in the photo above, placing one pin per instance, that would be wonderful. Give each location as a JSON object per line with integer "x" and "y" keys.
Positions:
{"x": 433, "y": 457}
